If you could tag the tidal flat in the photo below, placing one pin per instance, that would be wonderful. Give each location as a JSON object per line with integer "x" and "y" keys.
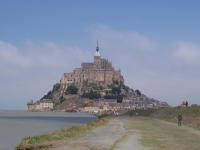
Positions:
{"x": 14, "y": 125}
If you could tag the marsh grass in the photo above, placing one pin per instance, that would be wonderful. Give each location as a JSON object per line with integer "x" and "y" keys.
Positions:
{"x": 191, "y": 115}
{"x": 162, "y": 135}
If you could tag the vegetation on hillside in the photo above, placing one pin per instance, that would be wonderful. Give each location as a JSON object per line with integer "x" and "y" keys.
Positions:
{"x": 56, "y": 87}
{"x": 116, "y": 90}
{"x": 72, "y": 89}
{"x": 92, "y": 94}
{"x": 62, "y": 99}
{"x": 51, "y": 93}
{"x": 138, "y": 93}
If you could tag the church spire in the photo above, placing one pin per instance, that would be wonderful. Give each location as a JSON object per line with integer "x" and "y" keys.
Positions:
{"x": 97, "y": 48}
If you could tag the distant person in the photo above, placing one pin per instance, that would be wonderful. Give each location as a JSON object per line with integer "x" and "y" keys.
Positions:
{"x": 131, "y": 113}
{"x": 186, "y": 104}
{"x": 115, "y": 113}
{"x": 183, "y": 104}
{"x": 180, "y": 118}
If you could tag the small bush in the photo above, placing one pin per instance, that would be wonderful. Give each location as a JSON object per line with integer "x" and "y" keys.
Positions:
{"x": 92, "y": 95}
{"x": 72, "y": 89}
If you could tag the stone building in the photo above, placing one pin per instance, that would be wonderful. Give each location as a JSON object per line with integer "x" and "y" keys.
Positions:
{"x": 100, "y": 73}
{"x": 44, "y": 105}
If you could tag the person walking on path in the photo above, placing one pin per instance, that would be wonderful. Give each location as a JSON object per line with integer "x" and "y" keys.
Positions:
{"x": 180, "y": 118}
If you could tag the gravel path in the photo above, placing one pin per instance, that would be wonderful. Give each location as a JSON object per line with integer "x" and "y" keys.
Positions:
{"x": 130, "y": 142}
{"x": 112, "y": 136}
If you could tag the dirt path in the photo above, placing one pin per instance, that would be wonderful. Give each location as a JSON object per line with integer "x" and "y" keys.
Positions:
{"x": 112, "y": 136}
{"x": 130, "y": 142}
{"x": 123, "y": 133}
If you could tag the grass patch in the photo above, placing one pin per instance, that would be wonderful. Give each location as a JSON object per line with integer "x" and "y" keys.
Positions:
{"x": 161, "y": 135}
{"x": 191, "y": 115}
{"x": 44, "y": 141}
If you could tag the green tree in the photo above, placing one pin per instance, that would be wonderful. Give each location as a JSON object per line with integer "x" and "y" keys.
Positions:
{"x": 56, "y": 86}
{"x": 47, "y": 96}
{"x": 115, "y": 82}
{"x": 92, "y": 94}
{"x": 138, "y": 93}
{"x": 116, "y": 90}
{"x": 72, "y": 89}
{"x": 61, "y": 99}
{"x": 119, "y": 99}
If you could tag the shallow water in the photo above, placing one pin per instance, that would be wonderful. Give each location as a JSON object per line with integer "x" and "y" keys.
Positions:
{"x": 14, "y": 125}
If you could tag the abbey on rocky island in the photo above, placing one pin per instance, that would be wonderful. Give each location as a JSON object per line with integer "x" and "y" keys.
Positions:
{"x": 92, "y": 80}
{"x": 100, "y": 72}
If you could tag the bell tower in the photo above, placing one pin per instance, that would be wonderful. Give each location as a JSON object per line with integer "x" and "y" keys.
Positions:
{"x": 97, "y": 57}
{"x": 97, "y": 50}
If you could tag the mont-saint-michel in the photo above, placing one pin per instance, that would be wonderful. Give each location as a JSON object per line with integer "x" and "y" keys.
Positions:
{"x": 94, "y": 87}
{"x": 99, "y": 75}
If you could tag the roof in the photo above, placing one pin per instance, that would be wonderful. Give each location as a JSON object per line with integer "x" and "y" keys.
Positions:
{"x": 87, "y": 65}
{"x": 46, "y": 101}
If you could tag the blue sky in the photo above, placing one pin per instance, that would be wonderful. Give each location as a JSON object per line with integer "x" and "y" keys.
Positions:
{"x": 154, "y": 43}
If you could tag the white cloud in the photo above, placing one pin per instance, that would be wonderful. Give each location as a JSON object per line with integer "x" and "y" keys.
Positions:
{"x": 28, "y": 71}
{"x": 48, "y": 55}
{"x": 10, "y": 54}
{"x": 122, "y": 39}
{"x": 149, "y": 66}
{"x": 129, "y": 51}
{"x": 188, "y": 53}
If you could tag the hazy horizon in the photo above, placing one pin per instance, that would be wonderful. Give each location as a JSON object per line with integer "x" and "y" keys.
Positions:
{"x": 154, "y": 43}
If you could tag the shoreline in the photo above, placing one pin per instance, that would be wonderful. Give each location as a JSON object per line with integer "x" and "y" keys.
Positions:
{"x": 17, "y": 125}
{"x": 105, "y": 136}
{"x": 119, "y": 133}
{"x": 46, "y": 140}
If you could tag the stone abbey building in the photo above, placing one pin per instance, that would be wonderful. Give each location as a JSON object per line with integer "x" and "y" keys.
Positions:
{"x": 100, "y": 73}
